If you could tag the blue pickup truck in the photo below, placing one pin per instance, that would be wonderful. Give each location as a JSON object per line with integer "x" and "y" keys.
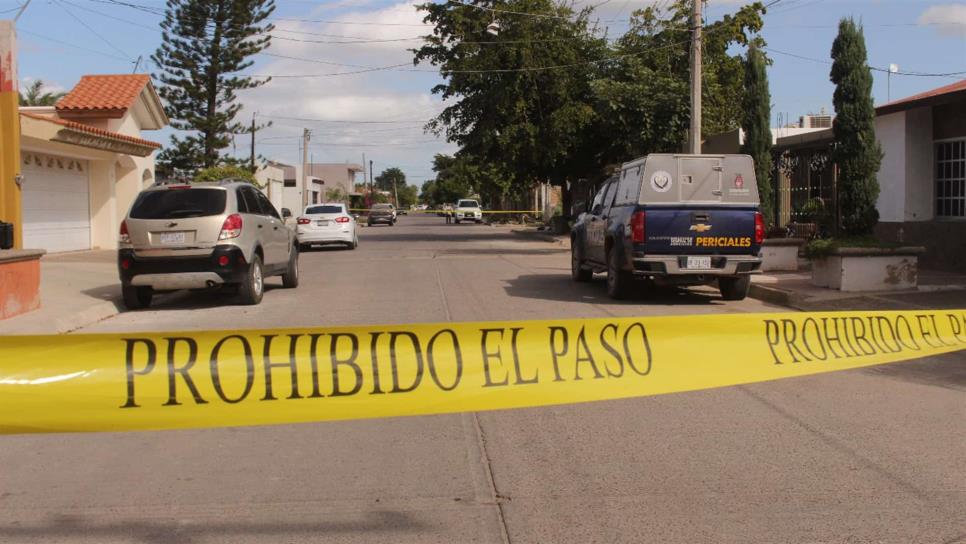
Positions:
{"x": 674, "y": 219}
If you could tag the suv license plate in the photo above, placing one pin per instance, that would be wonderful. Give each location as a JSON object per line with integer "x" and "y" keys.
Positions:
{"x": 172, "y": 238}
{"x": 700, "y": 263}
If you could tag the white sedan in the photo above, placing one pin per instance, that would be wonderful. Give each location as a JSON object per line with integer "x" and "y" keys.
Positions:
{"x": 326, "y": 224}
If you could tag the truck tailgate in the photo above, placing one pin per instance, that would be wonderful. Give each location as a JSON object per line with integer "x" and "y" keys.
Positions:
{"x": 700, "y": 230}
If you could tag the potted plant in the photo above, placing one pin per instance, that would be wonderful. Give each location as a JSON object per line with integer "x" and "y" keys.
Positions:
{"x": 779, "y": 251}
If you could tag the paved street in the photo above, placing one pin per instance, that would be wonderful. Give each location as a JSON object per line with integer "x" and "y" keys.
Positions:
{"x": 875, "y": 455}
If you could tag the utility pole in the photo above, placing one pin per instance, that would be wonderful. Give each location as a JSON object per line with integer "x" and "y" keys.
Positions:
{"x": 10, "y": 178}
{"x": 372, "y": 181}
{"x": 395, "y": 191}
{"x": 306, "y": 136}
{"x": 694, "y": 135}
{"x": 253, "y": 144}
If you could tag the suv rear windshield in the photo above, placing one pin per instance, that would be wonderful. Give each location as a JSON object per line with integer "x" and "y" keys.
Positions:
{"x": 324, "y": 209}
{"x": 382, "y": 207}
{"x": 178, "y": 203}
{"x": 468, "y": 204}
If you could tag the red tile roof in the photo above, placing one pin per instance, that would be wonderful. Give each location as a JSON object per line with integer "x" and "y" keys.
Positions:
{"x": 103, "y": 93}
{"x": 916, "y": 99}
{"x": 93, "y": 130}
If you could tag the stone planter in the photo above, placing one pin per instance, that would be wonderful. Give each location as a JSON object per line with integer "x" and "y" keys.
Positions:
{"x": 780, "y": 254}
{"x": 19, "y": 281}
{"x": 868, "y": 269}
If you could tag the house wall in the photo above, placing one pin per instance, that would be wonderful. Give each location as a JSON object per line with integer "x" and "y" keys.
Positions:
{"x": 890, "y": 131}
{"x": 919, "y": 178}
{"x": 949, "y": 121}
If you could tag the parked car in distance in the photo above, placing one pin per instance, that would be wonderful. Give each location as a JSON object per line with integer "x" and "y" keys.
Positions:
{"x": 676, "y": 219}
{"x": 328, "y": 223}
{"x": 224, "y": 235}
{"x": 468, "y": 209}
{"x": 382, "y": 213}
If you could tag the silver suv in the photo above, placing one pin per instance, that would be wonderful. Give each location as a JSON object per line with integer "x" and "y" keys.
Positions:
{"x": 224, "y": 235}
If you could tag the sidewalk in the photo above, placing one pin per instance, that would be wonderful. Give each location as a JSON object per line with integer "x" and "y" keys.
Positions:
{"x": 76, "y": 290}
{"x": 937, "y": 290}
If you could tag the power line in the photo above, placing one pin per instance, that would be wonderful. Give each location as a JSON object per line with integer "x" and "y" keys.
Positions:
{"x": 88, "y": 27}
{"x": 75, "y": 46}
{"x": 873, "y": 68}
{"x": 343, "y": 121}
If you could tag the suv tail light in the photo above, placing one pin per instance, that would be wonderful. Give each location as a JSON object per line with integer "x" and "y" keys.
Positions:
{"x": 637, "y": 227}
{"x": 342, "y": 219}
{"x": 303, "y": 220}
{"x": 759, "y": 228}
{"x": 124, "y": 237}
{"x": 231, "y": 228}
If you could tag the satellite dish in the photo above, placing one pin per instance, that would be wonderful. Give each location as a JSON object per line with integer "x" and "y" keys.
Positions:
{"x": 893, "y": 68}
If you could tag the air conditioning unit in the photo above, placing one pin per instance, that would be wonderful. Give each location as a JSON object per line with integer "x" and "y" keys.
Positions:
{"x": 822, "y": 120}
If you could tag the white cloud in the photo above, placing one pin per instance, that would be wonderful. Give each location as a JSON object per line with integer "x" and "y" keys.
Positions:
{"x": 401, "y": 97}
{"x": 949, "y": 19}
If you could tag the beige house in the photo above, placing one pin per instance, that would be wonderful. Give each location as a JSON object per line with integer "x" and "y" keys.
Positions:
{"x": 84, "y": 161}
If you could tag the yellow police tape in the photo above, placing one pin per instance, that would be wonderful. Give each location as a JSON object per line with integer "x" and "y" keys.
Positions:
{"x": 117, "y": 382}
{"x": 433, "y": 212}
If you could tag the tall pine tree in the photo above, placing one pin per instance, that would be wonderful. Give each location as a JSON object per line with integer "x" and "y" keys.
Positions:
{"x": 856, "y": 152}
{"x": 755, "y": 121}
{"x": 204, "y": 44}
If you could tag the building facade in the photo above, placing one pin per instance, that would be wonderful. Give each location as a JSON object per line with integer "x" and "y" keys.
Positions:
{"x": 84, "y": 161}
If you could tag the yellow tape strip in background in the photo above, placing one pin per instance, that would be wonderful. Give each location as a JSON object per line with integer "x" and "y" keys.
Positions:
{"x": 116, "y": 382}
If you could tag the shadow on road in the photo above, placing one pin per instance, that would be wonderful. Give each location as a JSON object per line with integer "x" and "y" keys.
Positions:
{"x": 159, "y": 532}
{"x": 560, "y": 287}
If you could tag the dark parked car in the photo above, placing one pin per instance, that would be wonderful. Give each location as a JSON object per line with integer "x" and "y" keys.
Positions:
{"x": 676, "y": 219}
{"x": 382, "y": 213}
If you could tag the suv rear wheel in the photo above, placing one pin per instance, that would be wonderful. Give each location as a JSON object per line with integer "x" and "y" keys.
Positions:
{"x": 251, "y": 290}
{"x": 618, "y": 280}
{"x": 135, "y": 297}
{"x": 735, "y": 288}
{"x": 290, "y": 279}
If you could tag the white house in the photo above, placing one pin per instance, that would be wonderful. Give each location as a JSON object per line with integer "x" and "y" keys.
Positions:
{"x": 84, "y": 161}
{"x": 923, "y": 175}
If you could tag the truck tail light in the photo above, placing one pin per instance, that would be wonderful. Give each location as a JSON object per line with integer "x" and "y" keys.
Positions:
{"x": 759, "y": 228}
{"x": 342, "y": 219}
{"x": 231, "y": 228}
{"x": 124, "y": 237}
{"x": 303, "y": 220}
{"x": 637, "y": 227}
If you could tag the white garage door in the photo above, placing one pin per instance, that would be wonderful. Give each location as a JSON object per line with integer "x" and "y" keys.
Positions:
{"x": 56, "y": 203}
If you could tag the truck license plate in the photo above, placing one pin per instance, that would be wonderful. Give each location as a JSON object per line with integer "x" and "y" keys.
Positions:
{"x": 172, "y": 238}
{"x": 700, "y": 263}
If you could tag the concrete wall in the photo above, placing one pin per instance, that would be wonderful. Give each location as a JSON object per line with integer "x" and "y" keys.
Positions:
{"x": 920, "y": 168}
{"x": 890, "y": 131}
{"x": 105, "y": 220}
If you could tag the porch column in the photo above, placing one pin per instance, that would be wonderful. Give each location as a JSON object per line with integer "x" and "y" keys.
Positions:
{"x": 10, "y": 197}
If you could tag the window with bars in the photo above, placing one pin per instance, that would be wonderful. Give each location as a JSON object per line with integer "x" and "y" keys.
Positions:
{"x": 951, "y": 178}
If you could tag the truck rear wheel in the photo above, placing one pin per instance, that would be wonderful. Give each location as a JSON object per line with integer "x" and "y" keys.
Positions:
{"x": 735, "y": 288}
{"x": 578, "y": 271}
{"x": 618, "y": 280}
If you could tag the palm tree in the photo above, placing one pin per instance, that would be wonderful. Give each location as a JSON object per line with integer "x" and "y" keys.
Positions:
{"x": 36, "y": 97}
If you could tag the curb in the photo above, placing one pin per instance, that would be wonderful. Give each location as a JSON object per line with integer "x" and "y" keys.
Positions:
{"x": 776, "y": 296}
{"x": 83, "y": 318}
{"x": 540, "y": 235}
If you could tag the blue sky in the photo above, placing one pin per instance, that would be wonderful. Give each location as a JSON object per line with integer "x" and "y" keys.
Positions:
{"x": 60, "y": 40}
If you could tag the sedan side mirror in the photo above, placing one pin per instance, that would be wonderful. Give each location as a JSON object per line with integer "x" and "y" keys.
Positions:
{"x": 286, "y": 213}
